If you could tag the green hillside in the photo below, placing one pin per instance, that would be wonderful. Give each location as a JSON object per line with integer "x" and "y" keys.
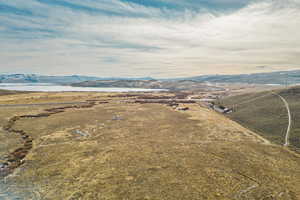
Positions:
{"x": 266, "y": 114}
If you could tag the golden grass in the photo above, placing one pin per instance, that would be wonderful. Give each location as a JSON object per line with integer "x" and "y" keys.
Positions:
{"x": 152, "y": 152}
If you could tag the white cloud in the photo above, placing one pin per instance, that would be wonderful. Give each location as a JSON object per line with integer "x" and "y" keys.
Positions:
{"x": 264, "y": 33}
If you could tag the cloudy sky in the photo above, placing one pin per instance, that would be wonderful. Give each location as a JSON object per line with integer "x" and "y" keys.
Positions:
{"x": 158, "y": 38}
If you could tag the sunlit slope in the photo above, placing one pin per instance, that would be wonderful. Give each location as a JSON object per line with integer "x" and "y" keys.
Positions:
{"x": 150, "y": 151}
{"x": 265, "y": 113}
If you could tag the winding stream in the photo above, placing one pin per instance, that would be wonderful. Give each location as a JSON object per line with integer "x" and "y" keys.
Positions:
{"x": 16, "y": 158}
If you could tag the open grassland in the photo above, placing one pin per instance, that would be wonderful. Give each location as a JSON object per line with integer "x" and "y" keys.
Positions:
{"x": 122, "y": 150}
{"x": 266, "y": 114}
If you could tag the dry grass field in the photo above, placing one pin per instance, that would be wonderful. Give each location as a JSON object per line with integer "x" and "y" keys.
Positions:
{"x": 120, "y": 150}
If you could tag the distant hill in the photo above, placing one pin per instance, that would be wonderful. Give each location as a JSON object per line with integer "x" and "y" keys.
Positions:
{"x": 33, "y": 78}
{"x": 281, "y": 77}
{"x": 198, "y": 82}
{"x": 272, "y": 78}
{"x": 151, "y": 84}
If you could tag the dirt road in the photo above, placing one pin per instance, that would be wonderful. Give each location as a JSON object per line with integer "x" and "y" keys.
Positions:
{"x": 287, "y": 135}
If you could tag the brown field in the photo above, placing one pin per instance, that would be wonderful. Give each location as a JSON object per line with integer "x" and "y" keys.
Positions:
{"x": 131, "y": 151}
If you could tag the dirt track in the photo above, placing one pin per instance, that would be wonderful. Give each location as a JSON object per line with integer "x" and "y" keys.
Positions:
{"x": 287, "y": 135}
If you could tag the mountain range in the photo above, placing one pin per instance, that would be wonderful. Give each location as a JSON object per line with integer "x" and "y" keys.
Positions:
{"x": 33, "y": 78}
{"x": 280, "y": 77}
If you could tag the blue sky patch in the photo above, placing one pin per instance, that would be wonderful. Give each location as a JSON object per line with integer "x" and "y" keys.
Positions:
{"x": 5, "y": 9}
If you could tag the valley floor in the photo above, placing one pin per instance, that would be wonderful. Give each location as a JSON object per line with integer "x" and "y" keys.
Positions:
{"x": 111, "y": 147}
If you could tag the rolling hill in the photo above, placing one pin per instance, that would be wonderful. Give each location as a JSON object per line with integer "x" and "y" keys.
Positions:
{"x": 266, "y": 114}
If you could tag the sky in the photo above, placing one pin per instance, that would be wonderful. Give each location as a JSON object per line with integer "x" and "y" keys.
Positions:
{"x": 142, "y": 38}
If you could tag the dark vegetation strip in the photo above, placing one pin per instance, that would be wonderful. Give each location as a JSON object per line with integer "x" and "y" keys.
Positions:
{"x": 16, "y": 158}
{"x": 41, "y": 104}
{"x": 168, "y": 102}
{"x": 10, "y": 92}
{"x": 176, "y": 95}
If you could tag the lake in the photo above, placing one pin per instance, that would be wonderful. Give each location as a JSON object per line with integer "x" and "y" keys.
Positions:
{"x": 47, "y": 87}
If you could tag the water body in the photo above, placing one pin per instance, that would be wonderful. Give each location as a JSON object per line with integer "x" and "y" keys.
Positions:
{"x": 45, "y": 87}
{"x": 9, "y": 191}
